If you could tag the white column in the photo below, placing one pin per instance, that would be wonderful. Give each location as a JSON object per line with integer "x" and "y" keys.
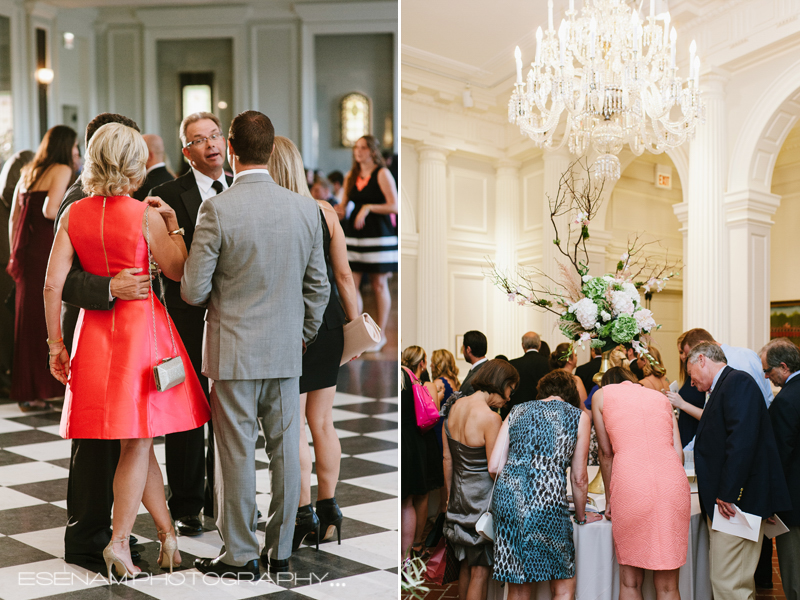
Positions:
{"x": 749, "y": 218}
{"x": 682, "y": 212}
{"x": 505, "y": 336}
{"x": 432, "y": 283}
{"x": 706, "y": 275}
{"x": 555, "y": 165}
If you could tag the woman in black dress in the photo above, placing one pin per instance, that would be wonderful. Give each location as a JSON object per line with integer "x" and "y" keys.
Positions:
{"x": 372, "y": 226}
{"x": 320, "y": 363}
{"x": 421, "y": 460}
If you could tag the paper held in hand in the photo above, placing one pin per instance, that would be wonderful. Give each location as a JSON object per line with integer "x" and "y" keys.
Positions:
{"x": 741, "y": 524}
{"x": 778, "y": 528}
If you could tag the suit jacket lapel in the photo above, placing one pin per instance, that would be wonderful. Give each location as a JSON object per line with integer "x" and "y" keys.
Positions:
{"x": 715, "y": 392}
{"x": 191, "y": 197}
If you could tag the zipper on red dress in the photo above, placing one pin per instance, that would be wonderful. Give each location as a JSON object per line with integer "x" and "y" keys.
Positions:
{"x": 105, "y": 255}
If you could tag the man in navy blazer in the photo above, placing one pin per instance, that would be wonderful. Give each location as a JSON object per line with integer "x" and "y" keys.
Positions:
{"x": 781, "y": 361}
{"x": 737, "y": 462}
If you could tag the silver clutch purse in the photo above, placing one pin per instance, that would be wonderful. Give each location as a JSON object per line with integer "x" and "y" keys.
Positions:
{"x": 169, "y": 372}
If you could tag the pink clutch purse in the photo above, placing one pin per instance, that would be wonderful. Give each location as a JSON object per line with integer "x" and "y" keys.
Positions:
{"x": 359, "y": 335}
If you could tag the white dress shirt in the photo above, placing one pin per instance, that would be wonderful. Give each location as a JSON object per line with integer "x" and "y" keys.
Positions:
{"x": 204, "y": 184}
{"x": 748, "y": 361}
{"x": 249, "y": 172}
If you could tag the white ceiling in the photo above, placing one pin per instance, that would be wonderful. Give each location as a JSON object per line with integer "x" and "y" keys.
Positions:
{"x": 174, "y": 3}
{"x": 474, "y": 40}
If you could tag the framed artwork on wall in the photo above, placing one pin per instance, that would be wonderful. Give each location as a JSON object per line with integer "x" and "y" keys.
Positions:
{"x": 784, "y": 320}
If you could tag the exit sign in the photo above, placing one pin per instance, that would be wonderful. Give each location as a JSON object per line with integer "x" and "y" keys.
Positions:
{"x": 663, "y": 177}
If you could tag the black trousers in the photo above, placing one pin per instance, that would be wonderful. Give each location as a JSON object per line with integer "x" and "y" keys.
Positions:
{"x": 90, "y": 495}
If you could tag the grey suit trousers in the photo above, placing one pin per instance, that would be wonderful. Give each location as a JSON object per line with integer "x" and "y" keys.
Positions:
{"x": 238, "y": 407}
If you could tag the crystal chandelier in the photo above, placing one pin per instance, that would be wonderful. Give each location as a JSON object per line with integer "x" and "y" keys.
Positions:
{"x": 616, "y": 78}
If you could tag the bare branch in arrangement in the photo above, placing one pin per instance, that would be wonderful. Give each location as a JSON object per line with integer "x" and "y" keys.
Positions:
{"x": 646, "y": 270}
{"x": 579, "y": 198}
{"x": 526, "y": 289}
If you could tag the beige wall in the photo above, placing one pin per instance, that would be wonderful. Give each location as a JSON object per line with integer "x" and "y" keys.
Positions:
{"x": 785, "y": 242}
{"x": 638, "y": 206}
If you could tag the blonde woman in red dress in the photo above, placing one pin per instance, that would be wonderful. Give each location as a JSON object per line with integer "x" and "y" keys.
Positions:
{"x": 111, "y": 392}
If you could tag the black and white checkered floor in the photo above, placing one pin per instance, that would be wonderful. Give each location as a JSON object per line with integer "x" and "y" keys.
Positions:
{"x": 34, "y": 463}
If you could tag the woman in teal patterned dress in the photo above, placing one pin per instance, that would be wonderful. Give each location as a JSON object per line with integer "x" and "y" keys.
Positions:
{"x": 533, "y": 532}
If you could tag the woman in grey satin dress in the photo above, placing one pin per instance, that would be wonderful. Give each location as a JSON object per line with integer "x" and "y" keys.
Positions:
{"x": 469, "y": 434}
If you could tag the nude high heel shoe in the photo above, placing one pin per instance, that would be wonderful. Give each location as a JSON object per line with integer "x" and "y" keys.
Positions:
{"x": 168, "y": 549}
{"x": 113, "y": 559}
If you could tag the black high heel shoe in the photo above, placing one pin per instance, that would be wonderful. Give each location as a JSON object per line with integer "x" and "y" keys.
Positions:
{"x": 329, "y": 516}
{"x": 306, "y": 524}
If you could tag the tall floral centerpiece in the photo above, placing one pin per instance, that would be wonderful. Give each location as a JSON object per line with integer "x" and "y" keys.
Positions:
{"x": 604, "y": 311}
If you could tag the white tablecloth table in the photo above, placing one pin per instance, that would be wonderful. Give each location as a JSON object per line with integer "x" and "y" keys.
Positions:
{"x": 598, "y": 571}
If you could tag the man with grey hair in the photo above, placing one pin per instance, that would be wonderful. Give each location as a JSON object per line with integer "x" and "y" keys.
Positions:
{"x": 187, "y": 458}
{"x": 258, "y": 263}
{"x": 531, "y": 367}
{"x": 781, "y": 361}
{"x": 737, "y": 462}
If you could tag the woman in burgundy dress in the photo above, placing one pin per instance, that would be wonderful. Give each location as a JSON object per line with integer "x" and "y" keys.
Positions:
{"x": 36, "y": 200}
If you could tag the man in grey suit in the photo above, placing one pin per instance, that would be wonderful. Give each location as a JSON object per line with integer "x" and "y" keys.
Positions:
{"x": 257, "y": 260}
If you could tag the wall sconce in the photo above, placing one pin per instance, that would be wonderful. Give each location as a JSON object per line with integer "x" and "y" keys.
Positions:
{"x": 45, "y": 76}
{"x": 69, "y": 40}
{"x": 356, "y": 117}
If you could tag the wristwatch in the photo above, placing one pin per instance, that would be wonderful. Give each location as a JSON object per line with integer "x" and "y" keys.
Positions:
{"x": 177, "y": 232}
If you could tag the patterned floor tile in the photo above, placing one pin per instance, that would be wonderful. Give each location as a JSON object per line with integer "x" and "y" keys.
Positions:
{"x": 34, "y": 463}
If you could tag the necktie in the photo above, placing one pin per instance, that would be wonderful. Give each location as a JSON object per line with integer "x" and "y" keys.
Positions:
{"x": 217, "y": 185}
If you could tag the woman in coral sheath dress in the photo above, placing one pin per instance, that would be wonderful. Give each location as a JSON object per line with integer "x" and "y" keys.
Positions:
{"x": 647, "y": 492}
{"x": 111, "y": 392}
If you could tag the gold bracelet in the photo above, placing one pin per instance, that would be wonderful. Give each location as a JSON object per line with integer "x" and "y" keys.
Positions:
{"x": 49, "y": 341}
{"x": 57, "y": 353}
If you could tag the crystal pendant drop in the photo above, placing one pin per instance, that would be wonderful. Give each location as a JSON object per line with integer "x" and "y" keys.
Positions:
{"x": 606, "y": 168}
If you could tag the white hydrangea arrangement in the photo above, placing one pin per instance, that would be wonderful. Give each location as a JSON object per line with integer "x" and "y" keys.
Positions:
{"x": 604, "y": 311}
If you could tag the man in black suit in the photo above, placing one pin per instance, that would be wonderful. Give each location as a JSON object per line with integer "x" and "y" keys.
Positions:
{"x": 781, "y": 361}
{"x": 93, "y": 463}
{"x": 588, "y": 370}
{"x": 531, "y": 367}
{"x": 474, "y": 351}
{"x": 204, "y": 147}
{"x": 737, "y": 462}
{"x": 157, "y": 172}
{"x": 633, "y": 360}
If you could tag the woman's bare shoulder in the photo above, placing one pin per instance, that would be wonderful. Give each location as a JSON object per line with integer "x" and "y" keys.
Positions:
{"x": 54, "y": 173}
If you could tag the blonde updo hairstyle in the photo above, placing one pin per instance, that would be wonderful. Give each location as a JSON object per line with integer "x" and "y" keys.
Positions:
{"x": 650, "y": 369}
{"x": 285, "y": 165}
{"x": 115, "y": 161}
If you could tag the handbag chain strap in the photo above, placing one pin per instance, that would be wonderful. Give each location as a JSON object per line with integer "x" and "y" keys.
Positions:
{"x": 151, "y": 263}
